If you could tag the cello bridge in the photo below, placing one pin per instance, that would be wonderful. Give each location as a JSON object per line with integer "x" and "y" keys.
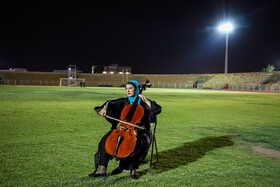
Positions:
{"x": 123, "y": 128}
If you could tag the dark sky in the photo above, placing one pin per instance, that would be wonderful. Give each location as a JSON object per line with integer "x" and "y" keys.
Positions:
{"x": 167, "y": 37}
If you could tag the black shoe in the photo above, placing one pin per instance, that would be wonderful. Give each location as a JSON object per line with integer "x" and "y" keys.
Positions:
{"x": 98, "y": 174}
{"x": 116, "y": 171}
{"x": 134, "y": 176}
{"x": 92, "y": 174}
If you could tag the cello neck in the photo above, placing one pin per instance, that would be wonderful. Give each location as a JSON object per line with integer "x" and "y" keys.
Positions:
{"x": 130, "y": 114}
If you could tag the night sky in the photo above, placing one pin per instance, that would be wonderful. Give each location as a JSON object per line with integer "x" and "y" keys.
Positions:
{"x": 160, "y": 37}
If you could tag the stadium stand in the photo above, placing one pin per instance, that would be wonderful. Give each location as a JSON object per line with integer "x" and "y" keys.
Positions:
{"x": 238, "y": 81}
{"x": 273, "y": 82}
{"x": 171, "y": 80}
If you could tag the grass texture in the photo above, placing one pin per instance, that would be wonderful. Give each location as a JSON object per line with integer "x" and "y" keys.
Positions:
{"x": 49, "y": 136}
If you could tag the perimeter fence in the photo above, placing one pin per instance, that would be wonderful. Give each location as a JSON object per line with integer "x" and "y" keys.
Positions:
{"x": 245, "y": 87}
{"x": 30, "y": 82}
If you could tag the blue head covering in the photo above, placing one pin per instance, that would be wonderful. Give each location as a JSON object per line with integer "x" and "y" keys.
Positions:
{"x": 136, "y": 84}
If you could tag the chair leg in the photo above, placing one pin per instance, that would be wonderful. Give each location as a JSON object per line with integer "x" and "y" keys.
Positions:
{"x": 154, "y": 143}
{"x": 156, "y": 147}
{"x": 151, "y": 162}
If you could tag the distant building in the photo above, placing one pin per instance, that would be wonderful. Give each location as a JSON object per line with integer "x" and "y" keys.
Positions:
{"x": 116, "y": 69}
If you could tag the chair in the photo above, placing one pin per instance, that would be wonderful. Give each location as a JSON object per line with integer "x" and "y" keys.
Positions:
{"x": 153, "y": 122}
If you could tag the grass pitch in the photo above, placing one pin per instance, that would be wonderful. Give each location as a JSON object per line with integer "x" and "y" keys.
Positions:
{"x": 205, "y": 138}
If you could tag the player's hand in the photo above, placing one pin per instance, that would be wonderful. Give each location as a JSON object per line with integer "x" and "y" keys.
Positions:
{"x": 103, "y": 111}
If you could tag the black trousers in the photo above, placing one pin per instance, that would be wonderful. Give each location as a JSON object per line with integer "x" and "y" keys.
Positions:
{"x": 104, "y": 157}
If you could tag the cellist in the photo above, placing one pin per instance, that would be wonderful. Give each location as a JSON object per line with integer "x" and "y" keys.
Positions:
{"x": 114, "y": 108}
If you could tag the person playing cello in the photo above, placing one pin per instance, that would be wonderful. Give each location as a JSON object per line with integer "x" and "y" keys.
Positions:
{"x": 114, "y": 109}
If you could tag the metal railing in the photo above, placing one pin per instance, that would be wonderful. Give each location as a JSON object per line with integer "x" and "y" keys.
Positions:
{"x": 158, "y": 84}
{"x": 30, "y": 82}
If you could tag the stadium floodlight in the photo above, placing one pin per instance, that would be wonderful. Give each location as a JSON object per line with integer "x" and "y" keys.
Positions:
{"x": 226, "y": 27}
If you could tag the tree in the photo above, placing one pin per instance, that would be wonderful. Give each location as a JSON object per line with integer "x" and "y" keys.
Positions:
{"x": 269, "y": 68}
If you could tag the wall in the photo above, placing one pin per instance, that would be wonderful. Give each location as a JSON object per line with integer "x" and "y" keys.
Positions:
{"x": 212, "y": 81}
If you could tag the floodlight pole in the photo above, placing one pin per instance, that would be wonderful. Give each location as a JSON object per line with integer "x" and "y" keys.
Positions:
{"x": 226, "y": 54}
{"x": 226, "y": 27}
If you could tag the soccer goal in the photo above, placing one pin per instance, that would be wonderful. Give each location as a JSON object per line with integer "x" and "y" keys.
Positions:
{"x": 72, "y": 79}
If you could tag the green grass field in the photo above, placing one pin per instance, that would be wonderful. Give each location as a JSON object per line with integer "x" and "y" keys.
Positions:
{"x": 49, "y": 136}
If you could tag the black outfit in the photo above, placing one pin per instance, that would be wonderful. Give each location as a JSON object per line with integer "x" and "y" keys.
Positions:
{"x": 143, "y": 137}
{"x": 82, "y": 84}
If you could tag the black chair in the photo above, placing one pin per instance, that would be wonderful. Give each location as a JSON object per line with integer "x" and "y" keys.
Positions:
{"x": 153, "y": 122}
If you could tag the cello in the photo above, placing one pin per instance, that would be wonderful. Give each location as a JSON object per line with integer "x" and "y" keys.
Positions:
{"x": 122, "y": 141}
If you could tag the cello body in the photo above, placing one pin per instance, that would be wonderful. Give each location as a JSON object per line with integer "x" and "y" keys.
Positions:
{"x": 122, "y": 141}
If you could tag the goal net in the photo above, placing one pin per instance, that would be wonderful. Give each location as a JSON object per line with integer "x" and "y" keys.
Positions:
{"x": 71, "y": 82}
